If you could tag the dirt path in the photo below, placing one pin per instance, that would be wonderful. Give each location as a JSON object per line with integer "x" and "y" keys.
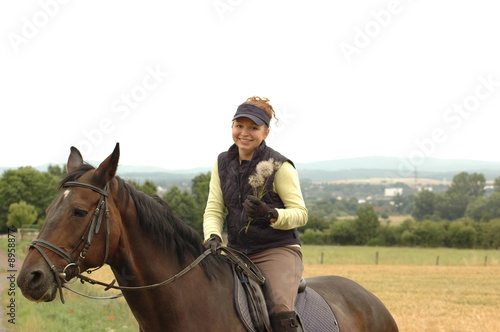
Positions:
{"x": 4, "y": 266}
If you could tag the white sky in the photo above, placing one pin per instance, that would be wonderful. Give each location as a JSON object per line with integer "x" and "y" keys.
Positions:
{"x": 410, "y": 79}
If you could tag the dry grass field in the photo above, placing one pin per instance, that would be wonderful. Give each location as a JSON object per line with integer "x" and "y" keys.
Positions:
{"x": 430, "y": 298}
{"x": 461, "y": 294}
{"x": 376, "y": 181}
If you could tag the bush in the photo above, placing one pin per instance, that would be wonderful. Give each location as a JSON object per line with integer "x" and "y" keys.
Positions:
{"x": 428, "y": 234}
{"x": 342, "y": 232}
{"x": 313, "y": 236}
{"x": 462, "y": 235}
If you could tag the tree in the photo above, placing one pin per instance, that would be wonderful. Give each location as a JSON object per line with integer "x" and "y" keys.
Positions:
{"x": 29, "y": 185}
{"x": 366, "y": 224}
{"x": 428, "y": 234}
{"x": 183, "y": 204}
{"x": 496, "y": 184}
{"x": 450, "y": 206}
{"x": 465, "y": 184}
{"x": 149, "y": 187}
{"x": 21, "y": 214}
{"x": 462, "y": 235}
{"x": 424, "y": 205}
{"x": 491, "y": 234}
{"x": 55, "y": 170}
{"x": 484, "y": 209}
{"x": 342, "y": 232}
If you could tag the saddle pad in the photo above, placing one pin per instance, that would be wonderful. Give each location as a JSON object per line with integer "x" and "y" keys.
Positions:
{"x": 315, "y": 313}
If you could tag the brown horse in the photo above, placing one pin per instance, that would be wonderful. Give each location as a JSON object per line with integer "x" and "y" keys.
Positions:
{"x": 97, "y": 218}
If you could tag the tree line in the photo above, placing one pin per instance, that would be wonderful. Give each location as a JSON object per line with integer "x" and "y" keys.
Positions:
{"x": 462, "y": 216}
{"x": 366, "y": 229}
{"x": 25, "y": 193}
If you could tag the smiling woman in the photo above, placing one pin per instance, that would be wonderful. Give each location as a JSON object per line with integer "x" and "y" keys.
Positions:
{"x": 270, "y": 222}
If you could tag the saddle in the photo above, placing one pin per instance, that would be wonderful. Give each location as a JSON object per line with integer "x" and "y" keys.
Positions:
{"x": 257, "y": 293}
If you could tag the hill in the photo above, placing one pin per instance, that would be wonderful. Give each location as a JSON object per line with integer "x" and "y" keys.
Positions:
{"x": 395, "y": 168}
{"x": 329, "y": 170}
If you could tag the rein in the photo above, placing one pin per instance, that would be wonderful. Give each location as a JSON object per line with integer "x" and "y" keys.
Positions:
{"x": 236, "y": 257}
{"x": 93, "y": 228}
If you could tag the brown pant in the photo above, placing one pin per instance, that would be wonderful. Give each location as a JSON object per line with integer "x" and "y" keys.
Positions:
{"x": 283, "y": 269}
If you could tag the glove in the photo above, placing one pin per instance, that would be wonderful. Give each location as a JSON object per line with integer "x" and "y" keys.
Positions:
{"x": 258, "y": 210}
{"x": 213, "y": 243}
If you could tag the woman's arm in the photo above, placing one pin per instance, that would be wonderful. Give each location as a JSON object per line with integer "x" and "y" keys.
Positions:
{"x": 287, "y": 186}
{"x": 213, "y": 218}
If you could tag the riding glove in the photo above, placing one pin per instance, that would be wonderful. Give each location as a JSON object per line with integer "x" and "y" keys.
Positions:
{"x": 213, "y": 243}
{"x": 258, "y": 210}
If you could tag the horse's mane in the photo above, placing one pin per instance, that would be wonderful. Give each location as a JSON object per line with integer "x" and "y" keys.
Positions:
{"x": 158, "y": 220}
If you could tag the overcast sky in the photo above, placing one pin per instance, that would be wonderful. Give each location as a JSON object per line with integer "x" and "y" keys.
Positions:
{"x": 409, "y": 79}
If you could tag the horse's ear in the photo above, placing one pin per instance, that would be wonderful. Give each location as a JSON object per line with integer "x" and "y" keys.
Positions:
{"x": 107, "y": 169}
{"x": 75, "y": 160}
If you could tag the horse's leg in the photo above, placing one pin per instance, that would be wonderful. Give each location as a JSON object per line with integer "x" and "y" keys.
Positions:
{"x": 356, "y": 308}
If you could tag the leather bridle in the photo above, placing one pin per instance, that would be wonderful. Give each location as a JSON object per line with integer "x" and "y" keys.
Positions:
{"x": 100, "y": 212}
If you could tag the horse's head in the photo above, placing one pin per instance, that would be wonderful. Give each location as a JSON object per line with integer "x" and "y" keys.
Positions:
{"x": 76, "y": 234}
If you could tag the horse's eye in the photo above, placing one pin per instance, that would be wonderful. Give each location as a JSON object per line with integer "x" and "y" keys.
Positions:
{"x": 79, "y": 213}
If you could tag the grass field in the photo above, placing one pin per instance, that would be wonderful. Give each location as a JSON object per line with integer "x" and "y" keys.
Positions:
{"x": 461, "y": 294}
{"x": 392, "y": 220}
{"x": 430, "y": 298}
{"x": 351, "y": 255}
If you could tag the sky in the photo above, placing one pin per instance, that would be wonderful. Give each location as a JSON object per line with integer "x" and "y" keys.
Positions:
{"x": 408, "y": 79}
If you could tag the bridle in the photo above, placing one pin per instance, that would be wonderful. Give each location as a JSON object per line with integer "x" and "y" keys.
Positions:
{"x": 101, "y": 211}
{"x": 93, "y": 228}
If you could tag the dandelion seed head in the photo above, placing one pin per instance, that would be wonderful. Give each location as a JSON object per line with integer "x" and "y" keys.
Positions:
{"x": 256, "y": 180}
{"x": 265, "y": 168}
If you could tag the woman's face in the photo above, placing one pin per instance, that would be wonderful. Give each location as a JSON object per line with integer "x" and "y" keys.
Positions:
{"x": 247, "y": 136}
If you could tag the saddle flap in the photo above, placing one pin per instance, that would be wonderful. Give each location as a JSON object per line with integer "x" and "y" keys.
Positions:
{"x": 256, "y": 302}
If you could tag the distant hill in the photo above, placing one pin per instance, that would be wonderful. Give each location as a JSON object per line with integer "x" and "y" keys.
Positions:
{"x": 328, "y": 170}
{"x": 391, "y": 163}
{"x": 380, "y": 167}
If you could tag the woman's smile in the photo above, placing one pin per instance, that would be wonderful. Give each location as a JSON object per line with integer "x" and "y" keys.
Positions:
{"x": 248, "y": 136}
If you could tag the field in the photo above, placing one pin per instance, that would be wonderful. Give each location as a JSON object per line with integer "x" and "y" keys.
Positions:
{"x": 459, "y": 294}
{"x": 430, "y": 298}
{"x": 376, "y": 181}
{"x": 392, "y": 220}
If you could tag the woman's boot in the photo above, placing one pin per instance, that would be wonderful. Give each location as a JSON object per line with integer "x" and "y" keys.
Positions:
{"x": 286, "y": 322}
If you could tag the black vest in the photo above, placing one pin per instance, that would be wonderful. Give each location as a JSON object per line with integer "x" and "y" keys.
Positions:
{"x": 235, "y": 189}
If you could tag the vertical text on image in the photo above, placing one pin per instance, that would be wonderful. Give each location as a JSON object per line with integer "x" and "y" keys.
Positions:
{"x": 11, "y": 277}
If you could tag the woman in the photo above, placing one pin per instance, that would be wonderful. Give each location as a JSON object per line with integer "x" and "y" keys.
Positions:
{"x": 264, "y": 227}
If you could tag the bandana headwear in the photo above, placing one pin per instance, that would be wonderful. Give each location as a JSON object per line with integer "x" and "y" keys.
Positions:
{"x": 254, "y": 113}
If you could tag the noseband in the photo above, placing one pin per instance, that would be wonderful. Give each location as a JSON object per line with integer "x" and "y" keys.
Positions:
{"x": 92, "y": 229}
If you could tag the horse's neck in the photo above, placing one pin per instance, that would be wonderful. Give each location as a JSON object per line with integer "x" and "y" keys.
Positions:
{"x": 139, "y": 261}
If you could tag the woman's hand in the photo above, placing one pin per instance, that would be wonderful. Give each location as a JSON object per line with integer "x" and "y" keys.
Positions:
{"x": 258, "y": 210}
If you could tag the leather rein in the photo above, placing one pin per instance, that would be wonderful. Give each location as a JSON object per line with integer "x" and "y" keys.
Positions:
{"x": 93, "y": 228}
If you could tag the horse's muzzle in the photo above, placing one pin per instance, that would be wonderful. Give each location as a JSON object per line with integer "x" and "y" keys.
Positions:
{"x": 37, "y": 285}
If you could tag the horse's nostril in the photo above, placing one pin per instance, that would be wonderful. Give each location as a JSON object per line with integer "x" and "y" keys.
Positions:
{"x": 36, "y": 278}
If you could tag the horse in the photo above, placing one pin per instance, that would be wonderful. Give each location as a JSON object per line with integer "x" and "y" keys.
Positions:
{"x": 167, "y": 277}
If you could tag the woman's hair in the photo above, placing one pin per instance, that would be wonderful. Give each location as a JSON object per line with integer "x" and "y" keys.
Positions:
{"x": 264, "y": 104}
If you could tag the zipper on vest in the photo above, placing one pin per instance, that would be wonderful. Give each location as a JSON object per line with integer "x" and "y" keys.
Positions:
{"x": 240, "y": 201}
